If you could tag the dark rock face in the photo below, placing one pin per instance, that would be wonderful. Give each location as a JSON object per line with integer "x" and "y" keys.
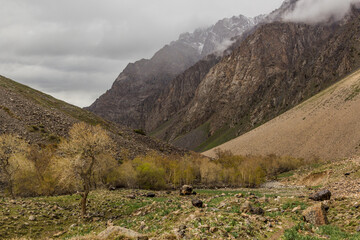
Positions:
{"x": 197, "y": 203}
{"x": 274, "y": 69}
{"x": 316, "y": 215}
{"x": 321, "y": 195}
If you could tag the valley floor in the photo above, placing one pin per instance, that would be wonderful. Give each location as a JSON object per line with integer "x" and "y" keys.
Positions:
{"x": 171, "y": 216}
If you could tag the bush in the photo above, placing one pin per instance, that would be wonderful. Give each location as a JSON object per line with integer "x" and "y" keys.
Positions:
{"x": 140, "y": 131}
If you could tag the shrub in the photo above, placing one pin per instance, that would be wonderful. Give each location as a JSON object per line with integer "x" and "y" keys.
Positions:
{"x": 140, "y": 131}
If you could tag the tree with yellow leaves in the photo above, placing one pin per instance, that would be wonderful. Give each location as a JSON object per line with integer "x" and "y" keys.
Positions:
{"x": 11, "y": 147}
{"x": 86, "y": 156}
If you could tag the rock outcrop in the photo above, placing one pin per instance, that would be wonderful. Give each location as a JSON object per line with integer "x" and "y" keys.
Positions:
{"x": 316, "y": 215}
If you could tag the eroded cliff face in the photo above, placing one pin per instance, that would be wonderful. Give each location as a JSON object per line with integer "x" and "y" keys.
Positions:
{"x": 274, "y": 69}
{"x": 179, "y": 92}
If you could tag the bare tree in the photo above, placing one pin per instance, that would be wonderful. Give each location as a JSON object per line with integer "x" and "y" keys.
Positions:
{"x": 86, "y": 156}
{"x": 10, "y": 148}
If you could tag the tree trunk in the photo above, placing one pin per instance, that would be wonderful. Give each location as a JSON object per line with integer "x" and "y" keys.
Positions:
{"x": 83, "y": 203}
{"x": 10, "y": 188}
{"x": 11, "y": 191}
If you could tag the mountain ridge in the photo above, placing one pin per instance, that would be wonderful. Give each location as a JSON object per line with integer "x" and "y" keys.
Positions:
{"x": 131, "y": 97}
{"x": 275, "y": 68}
{"x": 42, "y": 119}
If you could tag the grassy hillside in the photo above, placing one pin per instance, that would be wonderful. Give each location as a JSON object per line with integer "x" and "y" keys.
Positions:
{"x": 327, "y": 125}
{"x": 40, "y": 118}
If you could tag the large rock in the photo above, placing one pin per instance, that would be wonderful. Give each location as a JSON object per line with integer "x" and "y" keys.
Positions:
{"x": 197, "y": 203}
{"x": 186, "y": 190}
{"x": 321, "y": 195}
{"x": 150, "y": 194}
{"x": 316, "y": 215}
{"x": 249, "y": 208}
{"x": 120, "y": 231}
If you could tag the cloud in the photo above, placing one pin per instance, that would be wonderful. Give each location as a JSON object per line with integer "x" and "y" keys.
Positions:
{"x": 75, "y": 49}
{"x": 221, "y": 47}
{"x": 315, "y": 11}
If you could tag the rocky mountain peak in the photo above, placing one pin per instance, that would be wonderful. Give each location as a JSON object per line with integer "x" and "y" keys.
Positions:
{"x": 136, "y": 90}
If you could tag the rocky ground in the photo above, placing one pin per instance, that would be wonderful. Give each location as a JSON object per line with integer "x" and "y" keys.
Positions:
{"x": 272, "y": 212}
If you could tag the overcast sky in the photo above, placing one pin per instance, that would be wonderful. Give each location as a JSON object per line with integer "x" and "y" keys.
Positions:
{"x": 74, "y": 49}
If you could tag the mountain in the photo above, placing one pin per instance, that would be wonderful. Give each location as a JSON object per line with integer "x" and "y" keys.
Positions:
{"x": 327, "y": 125}
{"x": 42, "y": 119}
{"x": 136, "y": 90}
{"x": 275, "y": 68}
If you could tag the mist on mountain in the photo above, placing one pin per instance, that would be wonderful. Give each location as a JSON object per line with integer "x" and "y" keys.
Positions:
{"x": 316, "y": 11}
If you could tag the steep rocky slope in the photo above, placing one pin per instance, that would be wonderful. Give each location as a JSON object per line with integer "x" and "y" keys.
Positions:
{"x": 275, "y": 68}
{"x": 40, "y": 118}
{"x": 179, "y": 92}
{"x": 327, "y": 125}
{"x": 134, "y": 93}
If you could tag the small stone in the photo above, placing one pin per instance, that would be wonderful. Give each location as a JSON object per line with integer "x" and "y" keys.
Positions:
{"x": 115, "y": 230}
{"x": 295, "y": 209}
{"x": 131, "y": 196}
{"x": 264, "y": 200}
{"x": 72, "y": 226}
{"x": 239, "y": 195}
{"x": 32, "y": 218}
{"x": 273, "y": 210}
{"x": 58, "y": 234}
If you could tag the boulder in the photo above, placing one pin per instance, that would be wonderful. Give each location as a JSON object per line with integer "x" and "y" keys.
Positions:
{"x": 197, "y": 203}
{"x": 247, "y": 207}
{"x": 316, "y": 215}
{"x": 150, "y": 194}
{"x": 131, "y": 196}
{"x": 120, "y": 231}
{"x": 321, "y": 195}
{"x": 186, "y": 190}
